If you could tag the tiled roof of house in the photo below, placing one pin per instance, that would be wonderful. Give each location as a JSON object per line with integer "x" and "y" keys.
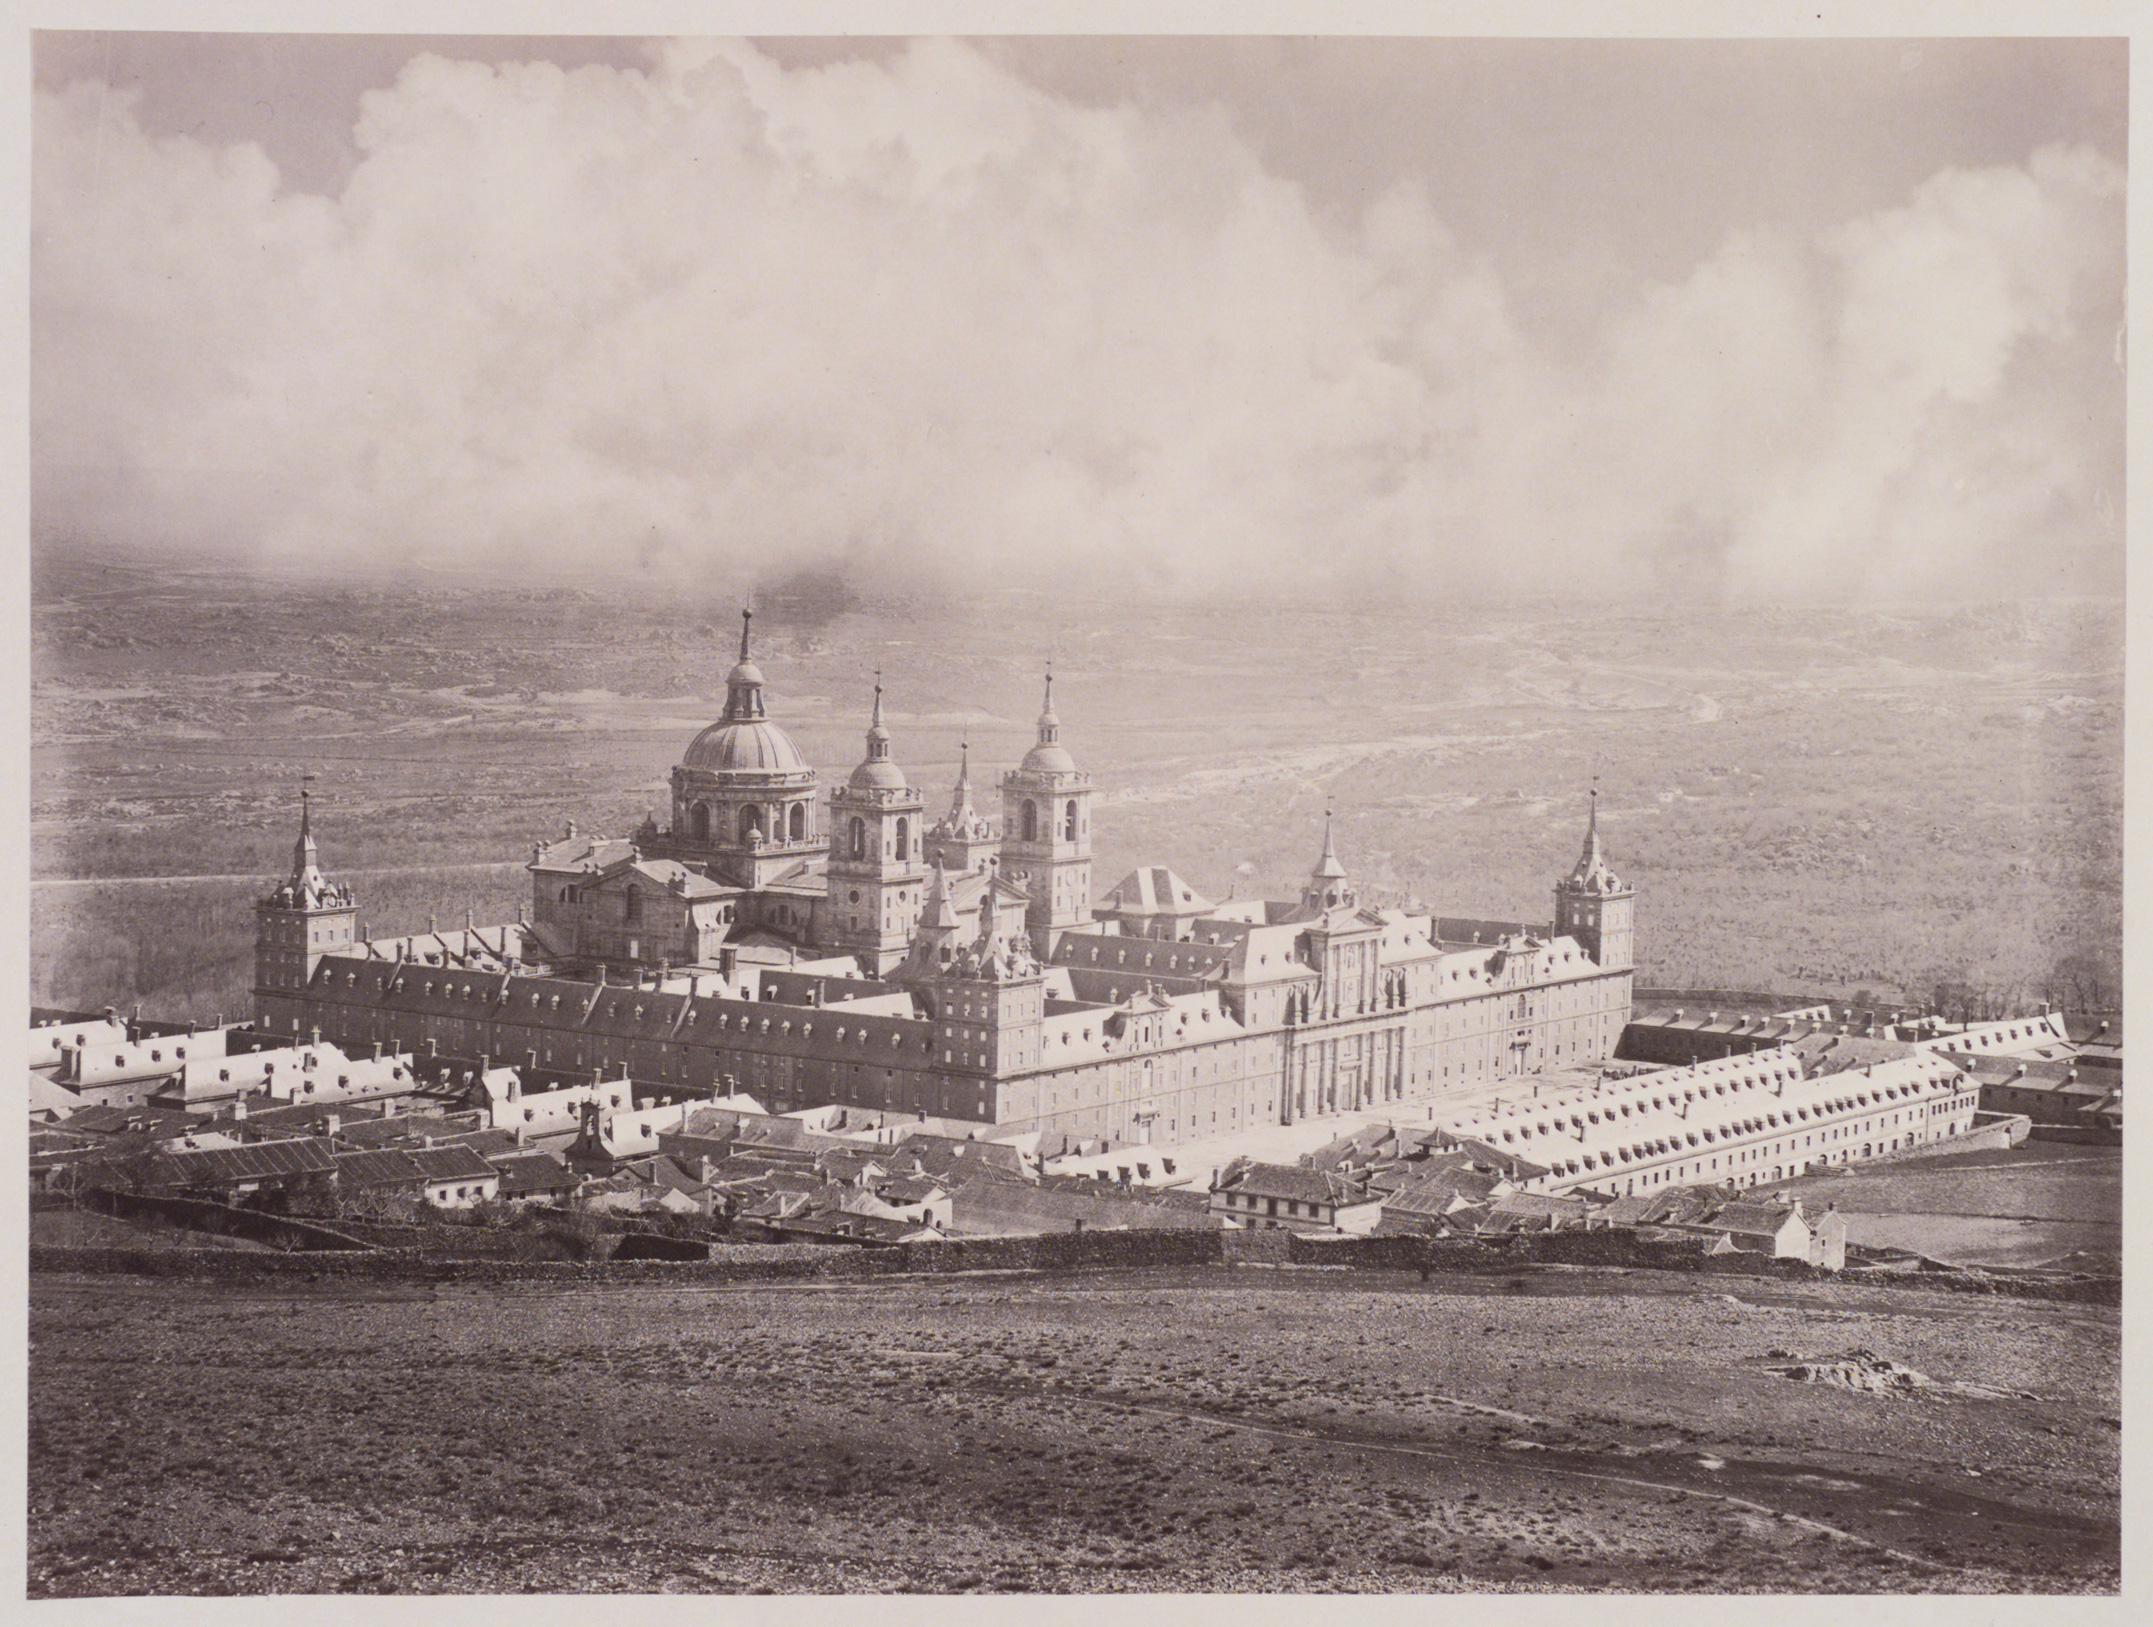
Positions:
{"x": 224, "y": 1166}
{"x": 409, "y": 1166}
{"x": 1287, "y": 1182}
{"x": 532, "y": 1174}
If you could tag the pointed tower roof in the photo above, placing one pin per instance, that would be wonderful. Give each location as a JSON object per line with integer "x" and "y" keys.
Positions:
{"x": 306, "y": 860}
{"x": 1327, "y": 887}
{"x": 936, "y": 911}
{"x": 306, "y": 887}
{"x": 934, "y": 940}
{"x": 1592, "y": 873}
{"x": 963, "y": 821}
{"x": 876, "y": 772}
{"x": 1327, "y": 867}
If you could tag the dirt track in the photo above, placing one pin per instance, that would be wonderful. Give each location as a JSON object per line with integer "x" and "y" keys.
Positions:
{"x": 1222, "y": 1430}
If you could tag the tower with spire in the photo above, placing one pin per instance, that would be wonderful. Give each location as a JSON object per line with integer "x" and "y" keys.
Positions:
{"x": 1594, "y": 905}
{"x": 1046, "y": 832}
{"x": 306, "y": 917}
{"x": 878, "y": 865}
{"x": 961, "y": 840}
{"x": 1328, "y": 886}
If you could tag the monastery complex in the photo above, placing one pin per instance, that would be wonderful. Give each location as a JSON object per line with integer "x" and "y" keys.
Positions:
{"x": 847, "y": 950}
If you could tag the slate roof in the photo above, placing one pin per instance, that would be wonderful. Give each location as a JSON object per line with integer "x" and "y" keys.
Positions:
{"x": 111, "y": 1119}
{"x": 533, "y": 1175}
{"x": 228, "y": 1166}
{"x": 410, "y": 1166}
{"x": 1290, "y": 1183}
{"x": 1517, "y": 1168}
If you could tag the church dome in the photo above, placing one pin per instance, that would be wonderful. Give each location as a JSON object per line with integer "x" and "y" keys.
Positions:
{"x": 758, "y": 747}
{"x": 744, "y": 740}
{"x": 878, "y": 774}
{"x": 1048, "y": 757}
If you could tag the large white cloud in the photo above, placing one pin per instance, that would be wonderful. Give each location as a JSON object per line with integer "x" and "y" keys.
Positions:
{"x": 928, "y": 322}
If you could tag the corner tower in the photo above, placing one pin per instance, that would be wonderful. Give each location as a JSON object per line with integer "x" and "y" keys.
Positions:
{"x": 307, "y": 917}
{"x": 986, "y": 998}
{"x": 1046, "y": 833}
{"x": 877, "y": 869}
{"x": 1594, "y": 905}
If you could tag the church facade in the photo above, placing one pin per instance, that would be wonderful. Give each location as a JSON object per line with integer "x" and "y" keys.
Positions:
{"x": 811, "y": 951}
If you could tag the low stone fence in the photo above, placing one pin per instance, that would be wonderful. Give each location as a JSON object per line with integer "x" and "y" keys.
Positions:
{"x": 198, "y": 1214}
{"x": 1613, "y": 1248}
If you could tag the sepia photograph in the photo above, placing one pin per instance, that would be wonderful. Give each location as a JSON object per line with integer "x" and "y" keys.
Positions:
{"x": 1053, "y": 814}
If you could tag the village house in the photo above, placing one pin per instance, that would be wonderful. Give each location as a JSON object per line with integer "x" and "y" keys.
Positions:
{"x": 1281, "y": 1196}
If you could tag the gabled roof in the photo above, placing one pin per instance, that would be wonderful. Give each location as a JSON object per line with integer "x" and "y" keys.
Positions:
{"x": 410, "y": 1166}
{"x": 533, "y": 1173}
{"x": 576, "y": 852}
{"x": 1492, "y": 1157}
{"x": 1153, "y": 889}
{"x": 1751, "y": 1219}
{"x": 224, "y": 1166}
{"x": 1287, "y": 1182}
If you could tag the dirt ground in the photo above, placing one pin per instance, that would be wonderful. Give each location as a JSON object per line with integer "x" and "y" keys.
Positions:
{"x": 1202, "y": 1431}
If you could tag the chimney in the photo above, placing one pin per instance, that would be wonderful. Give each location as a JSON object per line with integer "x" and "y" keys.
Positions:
{"x": 316, "y": 1032}
{"x": 515, "y": 1088}
{"x": 427, "y": 1142}
{"x": 331, "y": 1124}
{"x": 239, "y": 1111}
{"x": 519, "y": 1135}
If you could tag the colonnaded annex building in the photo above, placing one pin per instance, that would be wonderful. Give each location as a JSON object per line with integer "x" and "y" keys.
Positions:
{"x": 856, "y": 953}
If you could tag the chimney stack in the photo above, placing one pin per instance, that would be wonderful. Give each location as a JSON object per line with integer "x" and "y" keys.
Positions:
{"x": 331, "y": 1124}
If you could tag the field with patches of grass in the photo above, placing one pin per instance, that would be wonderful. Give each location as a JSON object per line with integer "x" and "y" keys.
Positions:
{"x": 1249, "y": 1430}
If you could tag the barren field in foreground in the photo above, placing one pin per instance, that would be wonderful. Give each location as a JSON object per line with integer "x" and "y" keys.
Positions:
{"x": 1217, "y": 1430}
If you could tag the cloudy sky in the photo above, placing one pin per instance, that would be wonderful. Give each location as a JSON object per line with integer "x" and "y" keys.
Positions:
{"x": 1749, "y": 320}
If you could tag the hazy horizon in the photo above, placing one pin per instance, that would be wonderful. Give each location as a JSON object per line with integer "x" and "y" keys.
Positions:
{"x": 1373, "y": 321}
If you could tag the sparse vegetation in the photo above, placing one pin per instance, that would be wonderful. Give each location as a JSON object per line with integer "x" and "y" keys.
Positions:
{"x": 709, "y": 1448}
{"x": 1925, "y": 804}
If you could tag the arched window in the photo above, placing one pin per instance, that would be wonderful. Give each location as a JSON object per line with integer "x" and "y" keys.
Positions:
{"x": 859, "y": 838}
{"x": 904, "y": 838}
{"x": 796, "y": 826}
{"x": 1069, "y": 821}
{"x": 1031, "y": 822}
{"x": 634, "y": 910}
{"x": 751, "y": 819}
{"x": 699, "y": 821}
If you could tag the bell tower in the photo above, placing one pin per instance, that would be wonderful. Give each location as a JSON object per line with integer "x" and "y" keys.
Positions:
{"x": 877, "y": 866}
{"x": 1046, "y": 833}
{"x": 307, "y": 917}
{"x": 1594, "y": 905}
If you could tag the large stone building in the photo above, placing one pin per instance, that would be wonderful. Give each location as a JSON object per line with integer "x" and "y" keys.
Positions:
{"x": 848, "y": 952}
